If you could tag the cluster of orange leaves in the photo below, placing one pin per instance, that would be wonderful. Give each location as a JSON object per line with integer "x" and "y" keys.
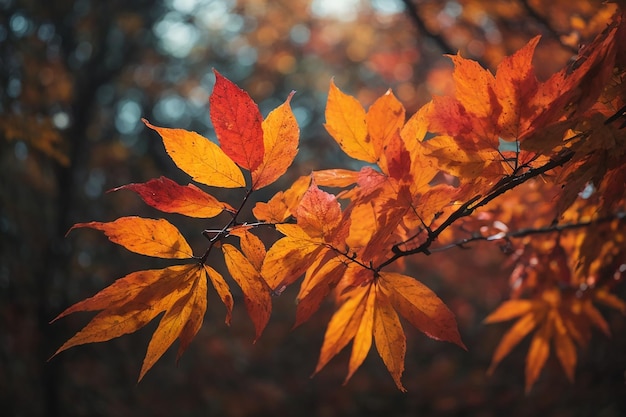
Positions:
{"x": 531, "y": 165}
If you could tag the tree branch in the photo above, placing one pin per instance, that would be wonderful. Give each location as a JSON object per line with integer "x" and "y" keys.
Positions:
{"x": 547, "y": 25}
{"x": 439, "y": 40}
{"x": 529, "y": 231}
{"x": 467, "y": 208}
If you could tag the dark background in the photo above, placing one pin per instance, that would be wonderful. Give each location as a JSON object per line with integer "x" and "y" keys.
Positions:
{"x": 77, "y": 76}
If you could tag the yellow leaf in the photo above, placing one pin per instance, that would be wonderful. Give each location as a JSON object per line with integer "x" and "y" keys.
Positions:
{"x": 133, "y": 301}
{"x": 149, "y": 237}
{"x": 345, "y": 121}
{"x": 509, "y": 310}
{"x": 384, "y": 120}
{"x": 421, "y": 307}
{"x": 564, "y": 347}
{"x": 289, "y": 257}
{"x": 389, "y": 337}
{"x": 202, "y": 159}
{"x": 280, "y": 137}
{"x": 538, "y": 353}
{"x": 256, "y": 292}
{"x": 222, "y": 289}
{"x": 363, "y": 337}
{"x": 343, "y": 326}
{"x": 515, "y": 334}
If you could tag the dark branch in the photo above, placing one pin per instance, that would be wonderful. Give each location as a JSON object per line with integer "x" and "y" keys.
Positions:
{"x": 467, "y": 208}
{"x": 547, "y": 25}
{"x": 620, "y": 216}
{"x": 439, "y": 40}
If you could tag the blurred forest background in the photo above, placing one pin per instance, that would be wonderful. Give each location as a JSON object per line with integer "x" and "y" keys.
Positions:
{"x": 76, "y": 76}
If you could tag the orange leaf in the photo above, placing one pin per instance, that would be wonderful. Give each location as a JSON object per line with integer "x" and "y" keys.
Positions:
{"x": 319, "y": 213}
{"x": 421, "y": 307}
{"x": 564, "y": 347}
{"x": 195, "y": 316}
{"x": 335, "y": 177}
{"x": 280, "y": 138}
{"x": 473, "y": 86}
{"x": 389, "y": 337}
{"x": 256, "y": 293}
{"x": 515, "y": 335}
{"x": 182, "y": 319}
{"x": 222, "y": 289}
{"x": 133, "y": 301}
{"x": 289, "y": 257}
{"x": 538, "y": 353}
{"x": 203, "y": 160}
{"x": 464, "y": 164}
{"x": 396, "y": 160}
{"x": 169, "y": 197}
{"x": 282, "y": 204}
{"x": 251, "y": 246}
{"x": 237, "y": 123}
{"x": 158, "y": 238}
{"x": 345, "y": 121}
{"x": 509, "y": 310}
{"x": 343, "y": 326}
{"x": 610, "y": 300}
{"x": 515, "y": 86}
{"x": 317, "y": 284}
{"x": 384, "y": 119}
{"x": 363, "y": 336}
{"x": 274, "y": 211}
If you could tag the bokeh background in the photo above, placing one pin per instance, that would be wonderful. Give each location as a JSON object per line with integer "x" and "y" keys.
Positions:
{"x": 76, "y": 77}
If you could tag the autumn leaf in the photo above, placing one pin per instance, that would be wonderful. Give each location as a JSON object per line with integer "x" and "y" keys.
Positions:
{"x": 289, "y": 257}
{"x": 282, "y": 205}
{"x": 346, "y": 123}
{"x": 280, "y": 137}
{"x": 369, "y": 309}
{"x": 335, "y": 177}
{"x": 320, "y": 279}
{"x": 538, "y": 352}
{"x": 344, "y": 325}
{"x": 421, "y": 307}
{"x": 362, "y": 341}
{"x": 557, "y": 319}
{"x": 203, "y": 160}
{"x": 515, "y": 86}
{"x": 384, "y": 120}
{"x": 395, "y": 160}
{"x": 251, "y": 246}
{"x": 256, "y": 292}
{"x": 237, "y": 122}
{"x": 133, "y": 301}
{"x": 222, "y": 289}
{"x": 318, "y": 213}
{"x": 149, "y": 237}
{"x": 389, "y": 337}
{"x": 170, "y": 197}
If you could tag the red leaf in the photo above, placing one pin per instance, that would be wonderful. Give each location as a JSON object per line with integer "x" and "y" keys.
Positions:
{"x": 169, "y": 197}
{"x": 237, "y": 123}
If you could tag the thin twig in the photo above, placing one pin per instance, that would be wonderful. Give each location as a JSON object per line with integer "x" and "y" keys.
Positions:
{"x": 441, "y": 42}
{"x": 547, "y": 25}
{"x": 467, "y": 208}
{"x": 620, "y": 216}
